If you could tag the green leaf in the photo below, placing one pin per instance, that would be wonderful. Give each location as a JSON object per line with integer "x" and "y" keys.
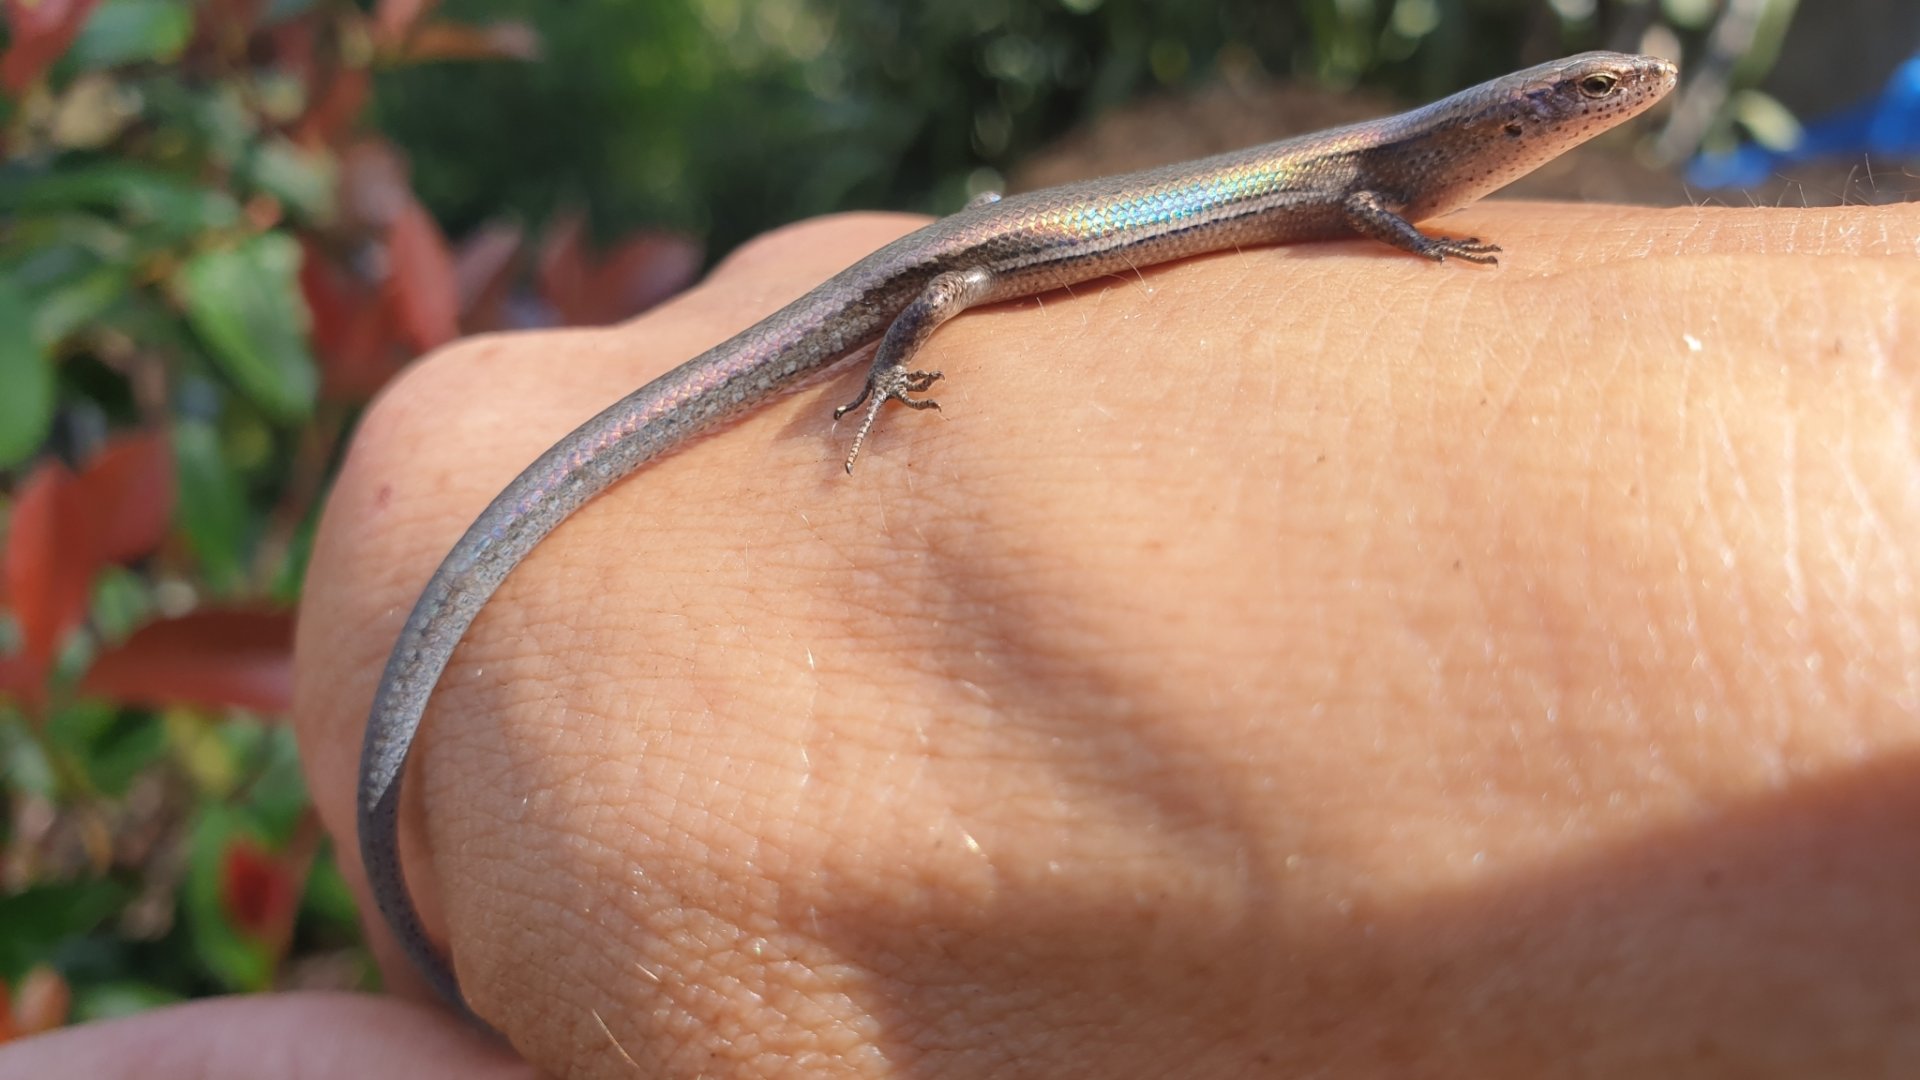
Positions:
{"x": 292, "y": 572}
{"x": 213, "y": 506}
{"x": 303, "y": 180}
{"x": 72, "y": 267}
{"x": 33, "y": 922}
{"x": 239, "y": 963}
{"x": 203, "y": 755}
{"x": 43, "y": 249}
{"x": 24, "y": 766}
{"x": 131, "y": 31}
{"x": 328, "y": 896}
{"x": 180, "y": 209}
{"x": 143, "y": 317}
{"x": 245, "y": 303}
{"x": 26, "y": 379}
{"x": 112, "y": 745}
{"x": 281, "y": 10}
{"x": 79, "y": 302}
{"x": 226, "y": 120}
{"x": 114, "y": 1000}
{"x": 1690, "y": 13}
{"x": 277, "y": 798}
{"x": 1771, "y": 124}
{"x": 122, "y": 602}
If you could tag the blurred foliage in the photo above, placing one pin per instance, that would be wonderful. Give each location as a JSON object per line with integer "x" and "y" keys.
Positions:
{"x": 727, "y": 117}
{"x": 224, "y": 225}
{"x": 208, "y": 263}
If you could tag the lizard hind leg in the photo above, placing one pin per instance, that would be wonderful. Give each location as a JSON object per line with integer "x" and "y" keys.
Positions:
{"x": 945, "y": 296}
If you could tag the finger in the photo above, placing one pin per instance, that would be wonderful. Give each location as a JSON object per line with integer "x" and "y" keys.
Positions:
{"x": 268, "y": 1037}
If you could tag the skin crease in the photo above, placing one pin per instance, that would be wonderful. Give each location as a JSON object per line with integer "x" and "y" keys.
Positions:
{"x": 1299, "y": 660}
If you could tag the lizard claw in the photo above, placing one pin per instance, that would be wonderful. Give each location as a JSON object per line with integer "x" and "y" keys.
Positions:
{"x": 884, "y": 385}
{"x": 1468, "y": 249}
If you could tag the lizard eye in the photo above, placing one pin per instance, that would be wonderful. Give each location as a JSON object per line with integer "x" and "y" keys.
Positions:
{"x": 1599, "y": 84}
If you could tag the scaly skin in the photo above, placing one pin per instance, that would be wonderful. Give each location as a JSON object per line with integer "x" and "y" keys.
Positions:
{"x": 1374, "y": 179}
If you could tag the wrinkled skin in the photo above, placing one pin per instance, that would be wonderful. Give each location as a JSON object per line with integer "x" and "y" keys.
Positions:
{"x": 1289, "y": 661}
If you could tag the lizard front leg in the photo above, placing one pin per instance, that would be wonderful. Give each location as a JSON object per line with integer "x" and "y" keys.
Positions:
{"x": 1369, "y": 215}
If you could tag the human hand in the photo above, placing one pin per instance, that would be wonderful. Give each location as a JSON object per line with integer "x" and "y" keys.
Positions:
{"x": 1300, "y": 659}
{"x": 292, "y": 1036}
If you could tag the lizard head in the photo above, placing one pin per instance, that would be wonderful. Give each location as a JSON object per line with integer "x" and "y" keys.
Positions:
{"x": 1486, "y": 137}
{"x": 1569, "y": 101}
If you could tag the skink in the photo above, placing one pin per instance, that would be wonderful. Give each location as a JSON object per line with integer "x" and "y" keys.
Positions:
{"x": 1373, "y": 179}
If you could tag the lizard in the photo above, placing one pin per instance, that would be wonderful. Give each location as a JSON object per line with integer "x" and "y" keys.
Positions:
{"x": 1375, "y": 179}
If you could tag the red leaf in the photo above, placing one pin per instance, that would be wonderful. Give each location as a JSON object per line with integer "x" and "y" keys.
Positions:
{"x": 644, "y": 270}
{"x": 242, "y": 659}
{"x": 42, "y": 1002}
{"x": 374, "y": 187}
{"x": 48, "y": 566}
{"x": 41, "y": 32}
{"x": 126, "y": 497}
{"x": 225, "y": 24}
{"x": 335, "y": 108}
{"x": 392, "y": 19}
{"x": 353, "y": 328}
{"x": 257, "y": 892}
{"x": 484, "y": 267}
{"x": 461, "y": 41}
{"x": 18, "y": 678}
{"x": 369, "y": 357}
{"x": 563, "y": 269}
{"x": 291, "y": 44}
{"x": 329, "y": 294}
{"x": 65, "y": 528}
{"x": 425, "y": 291}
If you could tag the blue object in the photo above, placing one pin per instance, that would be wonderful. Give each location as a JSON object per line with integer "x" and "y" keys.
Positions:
{"x": 1885, "y": 126}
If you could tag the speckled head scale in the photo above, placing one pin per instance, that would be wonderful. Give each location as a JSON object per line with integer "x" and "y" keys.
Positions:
{"x": 1520, "y": 123}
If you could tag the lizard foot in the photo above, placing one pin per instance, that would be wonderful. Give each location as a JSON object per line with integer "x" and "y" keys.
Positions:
{"x": 1470, "y": 249}
{"x": 884, "y": 385}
